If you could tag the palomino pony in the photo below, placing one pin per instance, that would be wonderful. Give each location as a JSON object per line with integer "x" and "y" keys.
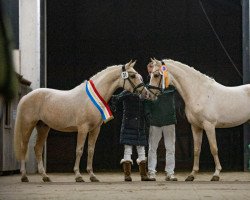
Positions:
{"x": 208, "y": 105}
{"x": 81, "y": 109}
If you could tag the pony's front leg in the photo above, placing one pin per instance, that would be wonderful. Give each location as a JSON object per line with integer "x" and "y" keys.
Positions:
{"x": 81, "y": 137}
{"x": 197, "y": 137}
{"x": 91, "y": 149}
{"x": 210, "y": 131}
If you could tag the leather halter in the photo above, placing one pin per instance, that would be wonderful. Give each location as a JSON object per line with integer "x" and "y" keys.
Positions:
{"x": 159, "y": 84}
{"x": 135, "y": 87}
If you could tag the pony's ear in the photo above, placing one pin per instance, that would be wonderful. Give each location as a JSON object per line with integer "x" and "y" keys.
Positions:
{"x": 130, "y": 64}
{"x": 157, "y": 61}
{"x": 153, "y": 61}
{"x": 133, "y": 64}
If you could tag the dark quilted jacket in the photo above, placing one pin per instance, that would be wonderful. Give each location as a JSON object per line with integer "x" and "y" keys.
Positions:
{"x": 133, "y": 122}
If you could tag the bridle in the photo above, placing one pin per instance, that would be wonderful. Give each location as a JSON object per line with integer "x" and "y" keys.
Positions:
{"x": 159, "y": 84}
{"x": 125, "y": 76}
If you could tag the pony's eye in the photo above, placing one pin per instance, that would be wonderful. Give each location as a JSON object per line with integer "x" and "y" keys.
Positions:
{"x": 132, "y": 76}
{"x": 156, "y": 75}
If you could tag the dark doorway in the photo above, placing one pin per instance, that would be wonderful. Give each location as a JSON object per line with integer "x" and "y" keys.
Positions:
{"x": 83, "y": 37}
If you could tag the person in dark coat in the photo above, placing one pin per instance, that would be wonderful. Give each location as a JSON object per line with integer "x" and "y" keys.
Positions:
{"x": 132, "y": 132}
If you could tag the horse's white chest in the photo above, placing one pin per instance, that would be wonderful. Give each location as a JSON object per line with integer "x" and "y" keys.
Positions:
{"x": 190, "y": 115}
{"x": 195, "y": 113}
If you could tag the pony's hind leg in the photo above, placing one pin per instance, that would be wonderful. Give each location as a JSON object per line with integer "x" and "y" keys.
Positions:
{"x": 26, "y": 133}
{"x": 81, "y": 137}
{"x": 210, "y": 131}
{"x": 91, "y": 149}
{"x": 42, "y": 134}
{"x": 24, "y": 177}
{"x": 197, "y": 136}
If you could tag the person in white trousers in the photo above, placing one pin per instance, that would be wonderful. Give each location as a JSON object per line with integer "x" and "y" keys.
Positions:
{"x": 155, "y": 136}
{"x": 162, "y": 119}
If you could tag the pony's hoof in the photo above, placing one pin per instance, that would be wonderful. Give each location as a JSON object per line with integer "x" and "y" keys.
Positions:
{"x": 190, "y": 178}
{"x": 93, "y": 179}
{"x": 25, "y": 179}
{"x": 79, "y": 179}
{"x": 46, "y": 179}
{"x": 215, "y": 178}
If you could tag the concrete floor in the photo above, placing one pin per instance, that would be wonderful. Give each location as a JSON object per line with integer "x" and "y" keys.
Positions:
{"x": 233, "y": 185}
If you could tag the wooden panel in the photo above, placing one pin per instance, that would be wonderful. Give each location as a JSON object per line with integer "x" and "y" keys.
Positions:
{"x": 8, "y": 161}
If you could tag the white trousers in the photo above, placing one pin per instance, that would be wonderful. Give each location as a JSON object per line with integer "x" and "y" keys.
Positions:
{"x": 128, "y": 153}
{"x": 155, "y": 135}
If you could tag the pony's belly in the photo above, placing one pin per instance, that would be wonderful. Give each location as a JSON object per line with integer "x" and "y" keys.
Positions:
{"x": 69, "y": 129}
{"x": 230, "y": 124}
{"x": 232, "y": 118}
{"x": 63, "y": 128}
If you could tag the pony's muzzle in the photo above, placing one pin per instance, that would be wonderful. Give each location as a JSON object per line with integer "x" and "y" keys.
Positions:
{"x": 150, "y": 96}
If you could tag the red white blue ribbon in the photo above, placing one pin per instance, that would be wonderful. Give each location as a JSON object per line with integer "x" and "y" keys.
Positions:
{"x": 98, "y": 101}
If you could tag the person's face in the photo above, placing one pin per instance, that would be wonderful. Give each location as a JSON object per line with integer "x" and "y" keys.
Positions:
{"x": 150, "y": 68}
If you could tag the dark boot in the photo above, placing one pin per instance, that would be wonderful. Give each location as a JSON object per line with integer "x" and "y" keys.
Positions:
{"x": 127, "y": 170}
{"x": 143, "y": 171}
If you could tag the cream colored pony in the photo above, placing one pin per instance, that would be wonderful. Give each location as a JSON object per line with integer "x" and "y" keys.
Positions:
{"x": 208, "y": 105}
{"x": 69, "y": 111}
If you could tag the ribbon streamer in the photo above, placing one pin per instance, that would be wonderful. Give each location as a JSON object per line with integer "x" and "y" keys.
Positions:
{"x": 98, "y": 101}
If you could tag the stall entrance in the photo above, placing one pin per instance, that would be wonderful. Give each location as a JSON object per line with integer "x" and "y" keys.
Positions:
{"x": 83, "y": 37}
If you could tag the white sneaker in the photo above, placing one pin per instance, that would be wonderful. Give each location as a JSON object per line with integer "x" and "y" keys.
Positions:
{"x": 171, "y": 177}
{"x": 152, "y": 176}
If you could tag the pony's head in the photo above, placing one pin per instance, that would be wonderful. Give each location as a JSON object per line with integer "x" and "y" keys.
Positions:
{"x": 131, "y": 80}
{"x": 160, "y": 77}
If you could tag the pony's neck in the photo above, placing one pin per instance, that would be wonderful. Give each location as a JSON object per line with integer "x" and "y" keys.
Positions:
{"x": 178, "y": 82}
{"x": 183, "y": 79}
{"x": 107, "y": 81}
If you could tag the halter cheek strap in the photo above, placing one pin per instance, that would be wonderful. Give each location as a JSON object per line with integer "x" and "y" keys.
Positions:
{"x": 125, "y": 77}
{"x": 161, "y": 89}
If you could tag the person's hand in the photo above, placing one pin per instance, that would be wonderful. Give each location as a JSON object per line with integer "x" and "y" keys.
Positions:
{"x": 114, "y": 99}
{"x": 113, "y": 102}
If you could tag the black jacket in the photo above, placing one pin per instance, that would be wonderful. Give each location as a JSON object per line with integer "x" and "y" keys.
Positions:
{"x": 133, "y": 122}
{"x": 161, "y": 112}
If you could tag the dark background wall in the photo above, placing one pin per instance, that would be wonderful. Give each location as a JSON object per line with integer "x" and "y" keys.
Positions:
{"x": 83, "y": 37}
{"x": 10, "y": 11}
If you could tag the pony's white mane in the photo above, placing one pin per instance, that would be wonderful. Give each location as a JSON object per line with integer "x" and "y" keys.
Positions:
{"x": 193, "y": 70}
{"x": 109, "y": 68}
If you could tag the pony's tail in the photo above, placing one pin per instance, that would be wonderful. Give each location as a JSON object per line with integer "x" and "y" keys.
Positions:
{"x": 18, "y": 136}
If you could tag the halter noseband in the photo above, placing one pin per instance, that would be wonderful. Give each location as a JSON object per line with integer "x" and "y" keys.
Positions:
{"x": 125, "y": 77}
{"x": 159, "y": 85}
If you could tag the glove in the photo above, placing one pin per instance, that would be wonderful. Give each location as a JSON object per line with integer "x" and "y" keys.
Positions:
{"x": 114, "y": 99}
{"x": 113, "y": 103}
